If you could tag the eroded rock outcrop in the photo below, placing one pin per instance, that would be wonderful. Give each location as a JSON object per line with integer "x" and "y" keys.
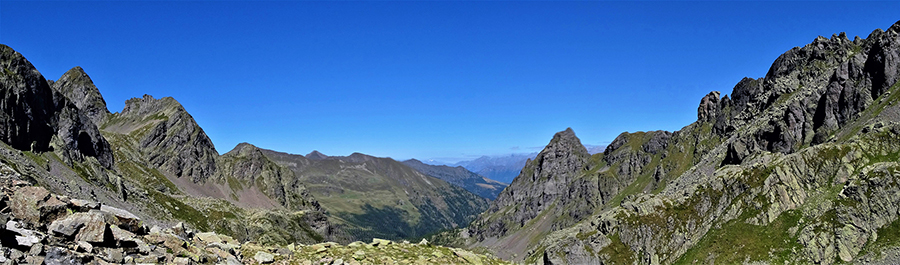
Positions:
{"x": 168, "y": 136}
{"x": 33, "y": 113}
{"x": 78, "y": 87}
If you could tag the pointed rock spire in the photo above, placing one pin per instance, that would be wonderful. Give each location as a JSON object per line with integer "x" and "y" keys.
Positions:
{"x": 78, "y": 87}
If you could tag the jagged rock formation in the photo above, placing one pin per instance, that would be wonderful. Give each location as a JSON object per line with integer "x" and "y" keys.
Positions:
{"x": 797, "y": 167}
{"x": 168, "y": 136}
{"x": 37, "y": 118}
{"x": 27, "y": 103}
{"x": 461, "y": 177}
{"x": 550, "y": 193}
{"x": 379, "y": 197}
{"x": 52, "y": 138}
{"x": 78, "y": 87}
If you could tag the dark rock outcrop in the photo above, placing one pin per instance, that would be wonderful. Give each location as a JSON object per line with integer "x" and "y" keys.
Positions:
{"x": 78, "y": 87}
{"x": 28, "y": 109}
{"x": 32, "y": 113}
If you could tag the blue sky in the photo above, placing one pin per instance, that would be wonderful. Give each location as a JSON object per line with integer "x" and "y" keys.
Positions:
{"x": 444, "y": 80}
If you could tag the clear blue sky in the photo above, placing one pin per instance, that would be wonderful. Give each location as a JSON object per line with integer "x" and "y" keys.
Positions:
{"x": 443, "y": 80}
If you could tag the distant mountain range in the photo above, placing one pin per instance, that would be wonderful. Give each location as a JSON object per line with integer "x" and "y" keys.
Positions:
{"x": 500, "y": 168}
{"x": 462, "y": 177}
{"x": 503, "y": 168}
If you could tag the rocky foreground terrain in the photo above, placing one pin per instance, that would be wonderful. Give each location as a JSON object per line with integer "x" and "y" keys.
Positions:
{"x": 45, "y": 228}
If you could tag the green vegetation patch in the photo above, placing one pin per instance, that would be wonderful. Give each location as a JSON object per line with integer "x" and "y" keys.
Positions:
{"x": 181, "y": 210}
{"x": 617, "y": 251}
{"x": 737, "y": 241}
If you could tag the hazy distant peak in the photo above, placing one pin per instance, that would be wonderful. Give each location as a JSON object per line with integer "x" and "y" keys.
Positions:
{"x": 316, "y": 155}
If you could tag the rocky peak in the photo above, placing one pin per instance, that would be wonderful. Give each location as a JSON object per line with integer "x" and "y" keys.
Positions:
{"x": 78, "y": 87}
{"x": 27, "y": 103}
{"x": 31, "y": 112}
{"x": 316, "y": 155}
{"x": 709, "y": 107}
{"x": 174, "y": 141}
{"x": 544, "y": 181}
{"x": 248, "y": 164}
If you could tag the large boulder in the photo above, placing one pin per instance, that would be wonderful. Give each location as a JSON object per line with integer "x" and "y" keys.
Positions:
{"x": 35, "y": 205}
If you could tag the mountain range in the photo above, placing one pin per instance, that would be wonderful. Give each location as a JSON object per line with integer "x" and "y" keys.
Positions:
{"x": 801, "y": 166}
{"x": 500, "y": 168}
{"x": 798, "y": 167}
{"x": 155, "y": 161}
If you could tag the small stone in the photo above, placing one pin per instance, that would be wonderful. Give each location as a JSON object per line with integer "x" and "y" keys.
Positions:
{"x": 359, "y": 255}
{"x": 26, "y": 237}
{"x": 232, "y": 261}
{"x": 61, "y": 256}
{"x": 338, "y": 262}
{"x": 36, "y": 249}
{"x": 34, "y": 260}
{"x": 181, "y": 261}
{"x": 121, "y": 235}
{"x": 284, "y": 252}
{"x": 208, "y": 237}
{"x": 263, "y": 257}
{"x": 148, "y": 259}
{"x": 180, "y": 230}
{"x": 114, "y": 255}
{"x": 124, "y": 219}
{"x": 84, "y": 205}
{"x": 380, "y": 242}
{"x": 84, "y": 246}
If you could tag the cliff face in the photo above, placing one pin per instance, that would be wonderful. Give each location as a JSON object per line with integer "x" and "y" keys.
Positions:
{"x": 168, "y": 136}
{"x": 796, "y": 166}
{"x": 78, "y": 87}
{"x": 36, "y": 117}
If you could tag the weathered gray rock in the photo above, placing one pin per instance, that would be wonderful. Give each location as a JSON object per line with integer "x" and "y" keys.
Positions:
{"x": 122, "y": 218}
{"x": 709, "y": 107}
{"x": 175, "y": 143}
{"x": 264, "y": 257}
{"x": 78, "y": 87}
{"x": 61, "y": 256}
